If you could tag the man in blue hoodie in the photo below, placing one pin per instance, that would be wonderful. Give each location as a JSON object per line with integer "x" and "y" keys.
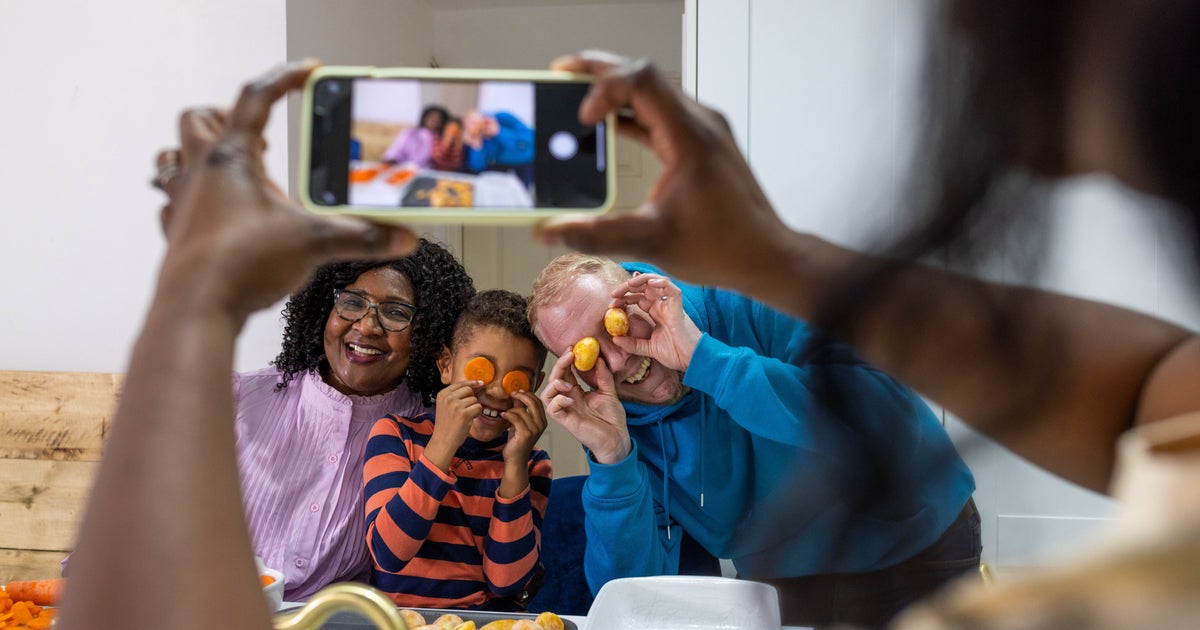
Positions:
{"x": 765, "y": 442}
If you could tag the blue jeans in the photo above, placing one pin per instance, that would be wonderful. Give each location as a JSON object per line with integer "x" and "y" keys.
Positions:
{"x": 872, "y": 599}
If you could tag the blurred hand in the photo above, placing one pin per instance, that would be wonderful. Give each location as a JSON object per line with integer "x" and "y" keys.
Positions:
{"x": 706, "y": 220}
{"x": 231, "y": 231}
{"x": 595, "y": 418}
{"x": 674, "y": 337}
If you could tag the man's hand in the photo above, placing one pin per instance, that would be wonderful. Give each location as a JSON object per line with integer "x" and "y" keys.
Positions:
{"x": 675, "y": 335}
{"x": 595, "y": 418}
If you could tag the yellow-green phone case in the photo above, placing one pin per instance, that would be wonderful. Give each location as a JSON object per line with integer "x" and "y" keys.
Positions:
{"x": 443, "y": 216}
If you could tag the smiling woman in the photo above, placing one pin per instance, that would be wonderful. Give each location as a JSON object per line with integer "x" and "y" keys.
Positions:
{"x": 361, "y": 341}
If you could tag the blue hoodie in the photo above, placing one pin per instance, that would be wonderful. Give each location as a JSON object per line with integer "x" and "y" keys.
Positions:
{"x": 789, "y": 455}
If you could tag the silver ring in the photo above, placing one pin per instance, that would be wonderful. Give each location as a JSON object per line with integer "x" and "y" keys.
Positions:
{"x": 664, "y": 298}
{"x": 165, "y": 174}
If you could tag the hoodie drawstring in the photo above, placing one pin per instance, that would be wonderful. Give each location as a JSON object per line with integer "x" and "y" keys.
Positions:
{"x": 662, "y": 441}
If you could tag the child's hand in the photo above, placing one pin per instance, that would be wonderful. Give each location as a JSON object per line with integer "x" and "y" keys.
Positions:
{"x": 528, "y": 420}
{"x": 457, "y": 407}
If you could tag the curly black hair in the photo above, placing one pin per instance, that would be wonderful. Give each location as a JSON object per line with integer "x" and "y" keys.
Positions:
{"x": 500, "y": 308}
{"x": 441, "y": 288}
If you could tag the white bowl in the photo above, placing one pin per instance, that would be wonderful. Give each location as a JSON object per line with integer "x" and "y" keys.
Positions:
{"x": 274, "y": 590}
{"x": 678, "y": 602}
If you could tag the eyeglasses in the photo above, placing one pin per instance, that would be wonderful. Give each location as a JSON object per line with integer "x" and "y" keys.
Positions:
{"x": 392, "y": 316}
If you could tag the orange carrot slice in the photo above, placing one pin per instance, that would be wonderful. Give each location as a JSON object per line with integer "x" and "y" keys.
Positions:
{"x": 515, "y": 381}
{"x": 266, "y": 580}
{"x": 363, "y": 176}
{"x": 480, "y": 369}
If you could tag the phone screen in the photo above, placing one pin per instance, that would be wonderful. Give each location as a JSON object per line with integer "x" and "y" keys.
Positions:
{"x": 454, "y": 143}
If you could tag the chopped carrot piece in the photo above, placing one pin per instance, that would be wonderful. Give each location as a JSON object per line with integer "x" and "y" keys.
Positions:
{"x": 480, "y": 369}
{"x": 515, "y": 381}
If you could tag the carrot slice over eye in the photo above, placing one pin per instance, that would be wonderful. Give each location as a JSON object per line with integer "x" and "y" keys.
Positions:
{"x": 480, "y": 369}
{"x": 515, "y": 381}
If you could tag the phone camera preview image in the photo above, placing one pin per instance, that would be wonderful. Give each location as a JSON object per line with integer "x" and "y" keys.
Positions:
{"x": 383, "y": 143}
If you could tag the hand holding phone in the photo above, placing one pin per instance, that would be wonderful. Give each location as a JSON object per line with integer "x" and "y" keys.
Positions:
{"x": 420, "y": 145}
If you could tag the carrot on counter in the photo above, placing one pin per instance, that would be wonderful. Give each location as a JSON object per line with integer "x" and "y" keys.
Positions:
{"x": 480, "y": 369}
{"x": 40, "y": 592}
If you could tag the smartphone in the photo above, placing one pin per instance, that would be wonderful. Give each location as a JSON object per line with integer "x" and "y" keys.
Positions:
{"x": 427, "y": 145}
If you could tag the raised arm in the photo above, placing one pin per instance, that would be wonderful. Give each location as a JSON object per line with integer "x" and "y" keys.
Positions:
{"x": 627, "y": 532}
{"x": 166, "y": 502}
{"x": 1066, "y": 378}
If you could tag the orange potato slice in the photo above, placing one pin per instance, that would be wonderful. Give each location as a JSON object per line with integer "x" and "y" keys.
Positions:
{"x": 616, "y": 322}
{"x": 586, "y": 351}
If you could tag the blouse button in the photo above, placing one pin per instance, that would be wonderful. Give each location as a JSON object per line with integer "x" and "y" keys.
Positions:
{"x": 333, "y": 459}
{"x": 300, "y": 563}
{"x": 314, "y": 508}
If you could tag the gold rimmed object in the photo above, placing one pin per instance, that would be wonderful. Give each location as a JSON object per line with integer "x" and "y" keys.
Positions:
{"x": 343, "y": 597}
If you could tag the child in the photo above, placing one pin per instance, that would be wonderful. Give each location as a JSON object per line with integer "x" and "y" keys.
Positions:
{"x": 455, "y": 504}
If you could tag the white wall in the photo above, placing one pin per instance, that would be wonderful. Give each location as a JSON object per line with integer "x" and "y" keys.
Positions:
{"x": 530, "y": 37}
{"x": 822, "y": 98}
{"x": 100, "y": 89}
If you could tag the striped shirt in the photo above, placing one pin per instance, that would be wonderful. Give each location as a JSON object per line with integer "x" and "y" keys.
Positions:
{"x": 443, "y": 540}
{"x": 300, "y": 453}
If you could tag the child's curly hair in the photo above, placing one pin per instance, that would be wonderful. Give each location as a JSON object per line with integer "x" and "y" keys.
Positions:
{"x": 441, "y": 290}
{"x": 502, "y": 309}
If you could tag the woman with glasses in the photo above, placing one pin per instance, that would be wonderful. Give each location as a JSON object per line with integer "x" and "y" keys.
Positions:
{"x": 360, "y": 342}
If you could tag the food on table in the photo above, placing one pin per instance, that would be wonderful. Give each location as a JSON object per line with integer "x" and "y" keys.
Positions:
{"x": 416, "y": 621}
{"x": 616, "y": 322}
{"x": 401, "y": 176}
{"x": 39, "y": 592}
{"x": 480, "y": 369}
{"x": 586, "y": 351}
{"x": 364, "y": 175}
{"x": 412, "y": 618}
{"x": 439, "y": 193}
{"x": 22, "y": 614}
{"x": 266, "y": 580}
{"x": 515, "y": 381}
{"x": 449, "y": 621}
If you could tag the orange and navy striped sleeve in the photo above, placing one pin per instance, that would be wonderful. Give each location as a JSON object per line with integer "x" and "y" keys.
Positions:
{"x": 442, "y": 540}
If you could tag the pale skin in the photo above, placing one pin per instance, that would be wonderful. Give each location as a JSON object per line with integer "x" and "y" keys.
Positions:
{"x": 707, "y": 220}
{"x": 596, "y": 418}
{"x": 461, "y": 404}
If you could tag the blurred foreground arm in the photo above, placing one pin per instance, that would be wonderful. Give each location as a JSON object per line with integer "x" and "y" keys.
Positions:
{"x": 164, "y": 541}
{"x": 1066, "y": 378}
